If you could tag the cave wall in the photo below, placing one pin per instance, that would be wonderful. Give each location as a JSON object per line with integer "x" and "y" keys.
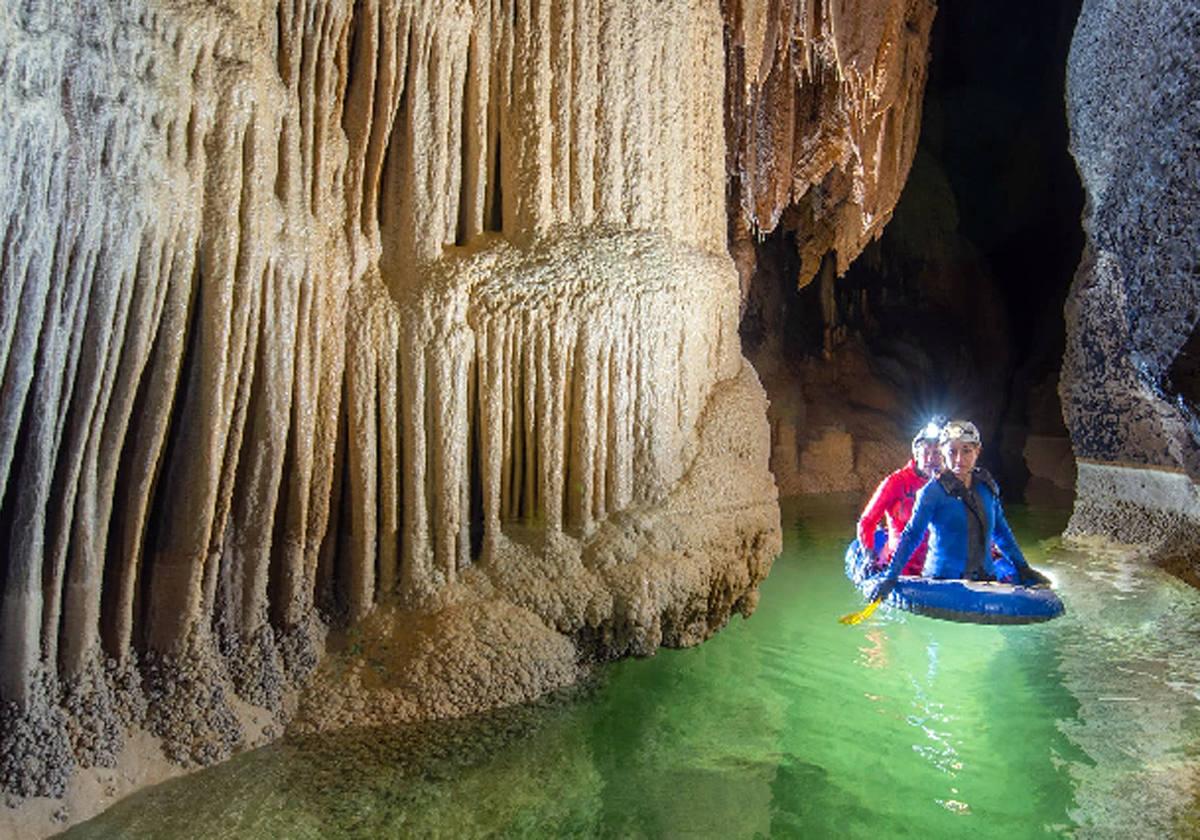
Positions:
{"x": 304, "y": 304}
{"x": 1132, "y": 89}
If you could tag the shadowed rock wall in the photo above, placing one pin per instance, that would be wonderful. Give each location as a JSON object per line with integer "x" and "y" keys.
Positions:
{"x": 1132, "y": 93}
{"x": 313, "y": 311}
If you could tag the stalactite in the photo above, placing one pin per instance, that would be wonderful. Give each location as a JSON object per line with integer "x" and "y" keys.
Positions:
{"x": 529, "y": 384}
{"x": 101, "y": 431}
{"x": 361, "y": 383}
{"x": 416, "y": 563}
{"x": 824, "y": 108}
{"x": 24, "y": 602}
{"x": 556, "y": 438}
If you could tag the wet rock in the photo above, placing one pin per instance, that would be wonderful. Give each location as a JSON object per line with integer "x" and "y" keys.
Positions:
{"x": 293, "y": 315}
{"x": 1135, "y": 302}
{"x": 94, "y": 722}
{"x": 255, "y": 667}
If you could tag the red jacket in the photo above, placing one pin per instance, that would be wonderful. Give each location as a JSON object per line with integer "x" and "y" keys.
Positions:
{"x": 894, "y": 500}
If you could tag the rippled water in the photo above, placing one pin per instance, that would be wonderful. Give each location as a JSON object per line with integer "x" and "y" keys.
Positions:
{"x": 786, "y": 725}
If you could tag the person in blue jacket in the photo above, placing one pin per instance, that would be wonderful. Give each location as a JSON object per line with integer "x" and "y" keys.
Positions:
{"x": 962, "y": 510}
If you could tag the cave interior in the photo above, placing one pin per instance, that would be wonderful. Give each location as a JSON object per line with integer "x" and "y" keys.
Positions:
{"x": 957, "y": 307}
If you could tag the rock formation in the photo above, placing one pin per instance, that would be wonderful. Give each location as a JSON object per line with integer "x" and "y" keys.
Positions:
{"x": 824, "y": 104}
{"x": 318, "y": 313}
{"x": 823, "y": 111}
{"x": 1132, "y": 91}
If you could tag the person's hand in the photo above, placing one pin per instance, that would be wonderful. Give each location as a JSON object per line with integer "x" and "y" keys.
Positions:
{"x": 880, "y": 588}
{"x": 1030, "y": 576}
{"x": 877, "y": 561}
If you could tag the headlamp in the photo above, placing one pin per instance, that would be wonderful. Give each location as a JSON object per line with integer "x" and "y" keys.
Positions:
{"x": 930, "y": 433}
{"x": 963, "y": 431}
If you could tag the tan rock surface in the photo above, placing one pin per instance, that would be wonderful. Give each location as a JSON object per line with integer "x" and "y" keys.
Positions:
{"x": 304, "y": 304}
{"x": 542, "y": 605}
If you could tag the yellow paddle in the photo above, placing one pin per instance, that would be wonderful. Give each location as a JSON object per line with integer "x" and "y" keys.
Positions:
{"x": 863, "y": 614}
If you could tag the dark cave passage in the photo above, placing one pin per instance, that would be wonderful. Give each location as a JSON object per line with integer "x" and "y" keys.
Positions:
{"x": 958, "y": 307}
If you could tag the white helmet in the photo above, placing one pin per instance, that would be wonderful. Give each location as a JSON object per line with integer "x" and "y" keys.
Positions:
{"x": 963, "y": 431}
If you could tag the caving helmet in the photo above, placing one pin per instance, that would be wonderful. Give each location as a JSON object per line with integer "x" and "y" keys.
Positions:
{"x": 963, "y": 431}
{"x": 931, "y": 432}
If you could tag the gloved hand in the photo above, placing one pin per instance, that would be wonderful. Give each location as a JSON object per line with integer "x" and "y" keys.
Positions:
{"x": 1004, "y": 570}
{"x": 1029, "y": 576}
{"x": 877, "y": 562}
{"x": 880, "y": 588}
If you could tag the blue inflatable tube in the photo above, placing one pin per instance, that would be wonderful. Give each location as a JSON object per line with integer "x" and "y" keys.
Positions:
{"x": 978, "y": 602}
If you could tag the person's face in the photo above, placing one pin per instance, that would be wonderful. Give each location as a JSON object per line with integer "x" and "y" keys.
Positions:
{"x": 960, "y": 457}
{"x": 928, "y": 458}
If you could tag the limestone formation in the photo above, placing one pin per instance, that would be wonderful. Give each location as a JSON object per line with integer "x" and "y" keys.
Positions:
{"x": 1135, "y": 134}
{"x": 310, "y": 310}
{"x": 824, "y": 115}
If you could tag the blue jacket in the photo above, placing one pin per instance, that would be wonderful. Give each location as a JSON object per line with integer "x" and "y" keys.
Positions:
{"x": 941, "y": 508}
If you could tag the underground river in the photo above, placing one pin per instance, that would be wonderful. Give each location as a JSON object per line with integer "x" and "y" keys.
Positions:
{"x": 786, "y": 725}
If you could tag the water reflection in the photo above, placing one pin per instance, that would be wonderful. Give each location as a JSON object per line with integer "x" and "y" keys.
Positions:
{"x": 1131, "y": 660}
{"x": 874, "y": 655}
{"x": 930, "y": 715}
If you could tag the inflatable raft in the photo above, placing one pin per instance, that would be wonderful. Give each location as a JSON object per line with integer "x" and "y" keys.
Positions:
{"x": 979, "y": 602}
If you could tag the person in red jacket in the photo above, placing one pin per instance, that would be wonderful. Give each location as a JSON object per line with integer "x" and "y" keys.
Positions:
{"x": 894, "y": 499}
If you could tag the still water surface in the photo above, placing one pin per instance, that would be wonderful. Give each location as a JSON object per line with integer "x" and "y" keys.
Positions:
{"x": 786, "y": 725}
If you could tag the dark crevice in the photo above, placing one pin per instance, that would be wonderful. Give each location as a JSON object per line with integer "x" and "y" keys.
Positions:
{"x": 475, "y": 466}
{"x": 386, "y": 174}
{"x": 282, "y": 49}
{"x": 342, "y": 524}
{"x": 158, "y": 521}
{"x": 192, "y": 139}
{"x": 495, "y": 220}
{"x": 1183, "y": 376}
{"x": 379, "y": 431}
{"x": 329, "y": 596}
{"x": 8, "y": 503}
{"x": 465, "y": 163}
{"x": 431, "y": 424}
{"x": 279, "y": 561}
{"x": 357, "y": 27}
{"x": 281, "y": 162}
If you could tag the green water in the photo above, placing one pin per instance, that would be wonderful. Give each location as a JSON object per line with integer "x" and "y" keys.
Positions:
{"x": 786, "y": 725}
